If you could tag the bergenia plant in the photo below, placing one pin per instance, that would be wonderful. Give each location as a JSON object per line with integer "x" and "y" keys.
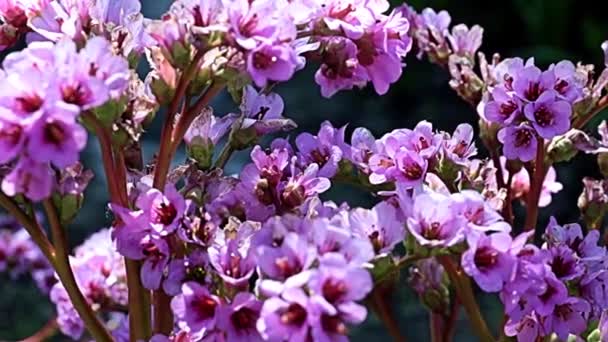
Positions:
{"x": 193, "y": 253}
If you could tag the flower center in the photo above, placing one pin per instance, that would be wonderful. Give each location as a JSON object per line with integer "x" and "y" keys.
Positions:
{"x": 523, "y": 137}
{"x": 507, "y": 108}
{"x": 244, "y": 319}
{"x": 333, "y": 324}
{"x": 165, "y": 213}
{"x": 533, "y": 92}
{"x": 75, "y": 95}
{"x": 204, "y": 307}
{"x": 486, "y": 257}
{"x": 543, "y": 117}
{"x": 333, "y": 290}
{"x": 561, "y": 86}
{"x": 262, "y": 60}
{"x": 413, "y": 171}
{"x": 11, "y": 133}
{"x": 294, "y": 315}
{"x": 561, "y": 267}
{"x": 432, "y": 231}
{"x": 376, "y": 241}
{"x": 29, "y": 104}
{"x": 54, "y": 133}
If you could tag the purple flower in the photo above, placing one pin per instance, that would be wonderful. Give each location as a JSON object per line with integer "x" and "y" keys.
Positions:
{"x": 527, "y": 329}
{"x": 554, "y": 292}
{"x": 13, "y": 13}
{"x": 421, "y": 139}
{"x": 108, "y": 11}
{"x": 32, "y": 179}
{"x": 603, "y": 325}
{"x": 519, "y": 142}
{"x": 56, "y": 138}
{"x": 287, "y": 318}
{"x": 464, "y": 41}
{"x": 460, "y": 147}
{"x": 163, "y": 210}
{"x": 504, "y": 107}
{"x": 362, "y": 146}
{"x": 104, "y": 65}
{"x": 207, "y": 129}
{"x": 569, "y": 317}
{"x": 325, "y": 149}
{"x": 480, "y": 215}
{"x": 568, "y": 84}
{"x": 12, "y": 138}
{"x": 549, "y": 116}
{"x": 264, "y": 112}
{"x": 302, "y": 185}
{"x": 156, "y": 253}
{"x": 193, "y": 267}
{"x": 380, "y": 51}
{"x": 488, "y": 260}
{"x": 271, "y": 63}
{"x": 238, "y": 320}
{"x": 232, "y": 261}
{"x": 564, "y": 263}
{"x": 195, "y": 309}
{"x": 290, "y": 258}
{"x": 530, "y": 83}
{"x": 433, "y": 223}
{"x": 341, "y": 69}
{"x": 337, "y": 284}
{"x": 380, "y": 225}
{"x": 252, "y": 23}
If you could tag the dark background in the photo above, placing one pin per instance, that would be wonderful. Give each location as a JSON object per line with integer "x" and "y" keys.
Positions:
{"x": 549, "y": 30}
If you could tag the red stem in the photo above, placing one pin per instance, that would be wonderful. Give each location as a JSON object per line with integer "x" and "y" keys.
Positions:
{"x": 437, "y": 326}
{"x": 114, "y": 167}
{"x": 46, "y": 332}
{"x": 536, "y": 185}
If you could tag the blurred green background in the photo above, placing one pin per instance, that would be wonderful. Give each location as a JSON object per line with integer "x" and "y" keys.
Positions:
{"x": 549, "y": 30}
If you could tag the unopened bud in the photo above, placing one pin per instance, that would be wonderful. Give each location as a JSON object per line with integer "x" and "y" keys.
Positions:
{"x": 593, "y": 201}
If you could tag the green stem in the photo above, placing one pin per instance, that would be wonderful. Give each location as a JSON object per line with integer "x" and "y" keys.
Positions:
{"x": 64, "y": 271}
{"x": 463, "y": 288}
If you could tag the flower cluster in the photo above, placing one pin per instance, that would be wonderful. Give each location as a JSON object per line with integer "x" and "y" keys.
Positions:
{"x": 556, "y": 289}
{"x": 268, "y": 41}
{"x": 531, "y": 104}
{"x": 100, "y": 274}
{"x": 261, "y": 255}
{"x": 45, "y": 88}
{"x": 404, "y": 156}
{"x": 20, "y": 256}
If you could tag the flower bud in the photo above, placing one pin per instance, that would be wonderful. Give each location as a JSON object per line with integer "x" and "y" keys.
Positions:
{"x": 293, "y": 196}
{"x": 244, "y": 138}
{"x": 171, "y": 36}
{"x": 427, "y": 278}
{"x": 70, "y": 192}
{"x": 488, "y": 132}
{"x": 200, "y": 150}
{"x": 464, "y": 80}
{"x": 593, "y": 201}
{"x": 562, "y": 149}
